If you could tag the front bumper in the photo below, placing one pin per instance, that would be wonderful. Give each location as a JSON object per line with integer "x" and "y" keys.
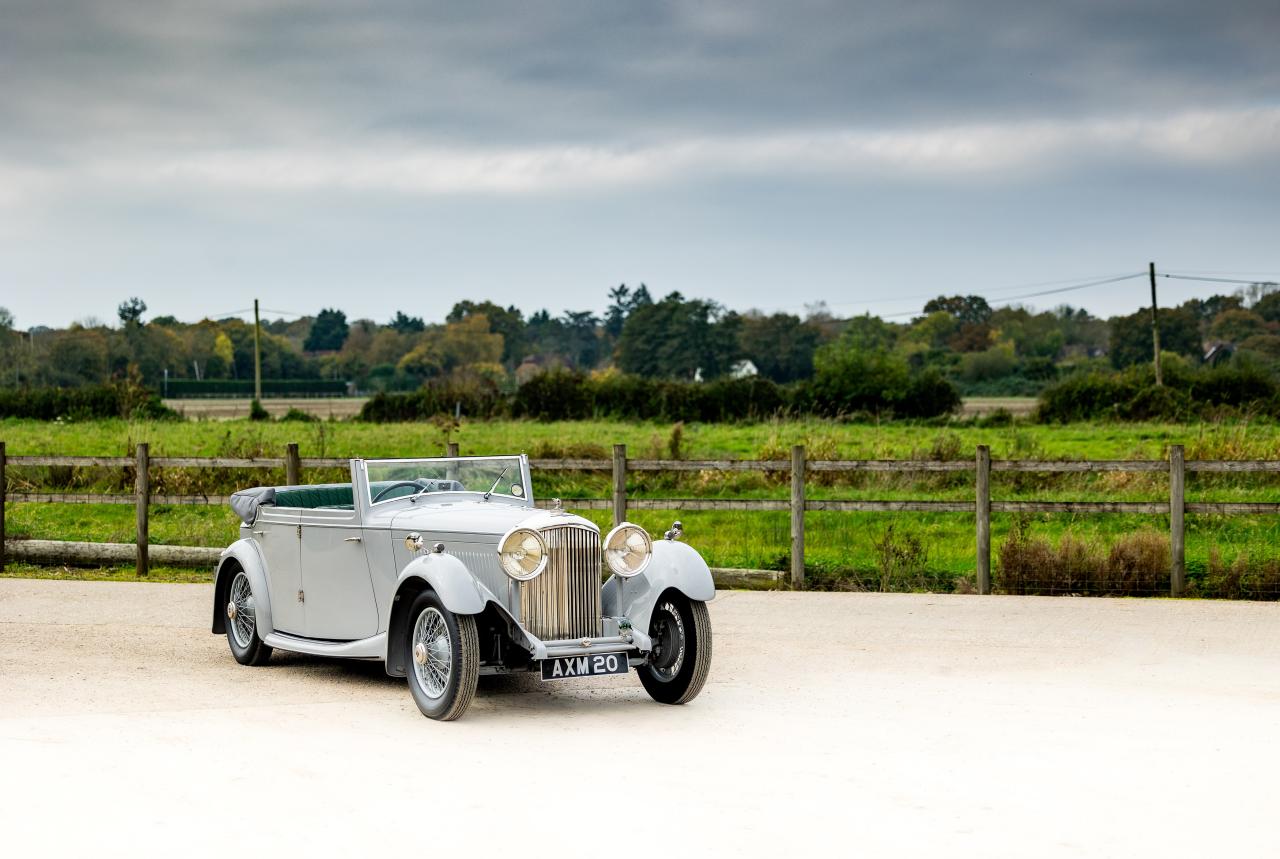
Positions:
{"x": 613, "y": 641}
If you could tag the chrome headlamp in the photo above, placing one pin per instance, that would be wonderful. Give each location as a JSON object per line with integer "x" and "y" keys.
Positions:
{"x": 522, "y": 554}
{"x": 628, "y": 550}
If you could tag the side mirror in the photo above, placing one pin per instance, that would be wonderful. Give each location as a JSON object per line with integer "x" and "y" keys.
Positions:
{"x": 517, "y": 490}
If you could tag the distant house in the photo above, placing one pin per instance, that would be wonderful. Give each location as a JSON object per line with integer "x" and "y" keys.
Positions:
{"x": 743, "y": 369}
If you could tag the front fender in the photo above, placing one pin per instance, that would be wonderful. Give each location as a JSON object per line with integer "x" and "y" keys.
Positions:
{"x": 246, "y": 554}
{"x": 676, "y": 566}
{"x": 453, "y": 583}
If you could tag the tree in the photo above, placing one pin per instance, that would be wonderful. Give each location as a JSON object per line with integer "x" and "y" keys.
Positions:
{"x": 581, "y": 344}
{"x": 675, "y": 338}
{"x": 850, "y": 378}
{"x": 622, "y": 301}
{"x": 6, "y": 319}
{"x": 1237, "y": 325}
{"x": 131, "y": 311}
{"x": 509, "y": 322}
{"x": 1131, "y": 336}
{"x": 225, "y": 352}
{"x": 781, "y": 346}
{"x": 1268, "y": 307}
{"x": 328, "y": 331}
{"x": 407, "y": 324}
{"x": 971, "y": 309}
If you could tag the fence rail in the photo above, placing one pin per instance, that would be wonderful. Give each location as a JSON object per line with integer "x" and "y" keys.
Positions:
{"x": 619, "y": 466}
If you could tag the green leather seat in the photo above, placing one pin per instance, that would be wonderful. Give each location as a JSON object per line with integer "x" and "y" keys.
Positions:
{"x": 332, "y": 495}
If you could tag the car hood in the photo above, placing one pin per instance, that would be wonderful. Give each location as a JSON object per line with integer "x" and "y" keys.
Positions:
{"x": 479, "y": 520}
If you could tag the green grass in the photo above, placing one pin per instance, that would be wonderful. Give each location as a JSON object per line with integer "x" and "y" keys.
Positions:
{"x": 698, "y": 441}
{"x": 105, "y": 574}
{"x": 841, "y": 547}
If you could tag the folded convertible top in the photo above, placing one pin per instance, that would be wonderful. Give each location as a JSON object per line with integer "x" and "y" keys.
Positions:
{"x": 247, "y": 501}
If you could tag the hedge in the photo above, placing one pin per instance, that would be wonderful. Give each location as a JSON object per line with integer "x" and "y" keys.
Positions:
{"x": 120, "y": 400}
{"x": 567, "y": 395}
{"x": 1187, "y": 393}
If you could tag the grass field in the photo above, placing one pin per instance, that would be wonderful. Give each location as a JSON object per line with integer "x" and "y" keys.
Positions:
{"x": 844, "y": 549}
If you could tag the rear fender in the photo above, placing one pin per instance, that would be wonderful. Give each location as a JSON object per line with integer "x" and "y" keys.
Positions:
{"x": 242, "y": 554}
{"x": 675, "y": 566}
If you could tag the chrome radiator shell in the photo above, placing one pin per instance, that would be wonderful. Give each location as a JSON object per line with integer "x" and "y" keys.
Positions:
{"x": 564, "y": 601}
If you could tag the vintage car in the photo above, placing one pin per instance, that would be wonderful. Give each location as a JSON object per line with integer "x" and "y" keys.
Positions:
{"x": 444, "y": 569}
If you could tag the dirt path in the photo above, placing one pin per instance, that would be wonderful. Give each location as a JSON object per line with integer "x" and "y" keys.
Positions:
{"x": 324, "y": 408}
{"x": 840, "y": 724}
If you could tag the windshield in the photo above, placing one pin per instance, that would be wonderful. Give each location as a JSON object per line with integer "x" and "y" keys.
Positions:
{"x": 401, "y": 478}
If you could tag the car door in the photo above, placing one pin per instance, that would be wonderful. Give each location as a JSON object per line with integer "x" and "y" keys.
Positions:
{"x": 335, "y": 577}
{"x": 276, "y": 531}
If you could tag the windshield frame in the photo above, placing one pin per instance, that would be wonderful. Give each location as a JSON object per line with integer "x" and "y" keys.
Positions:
{"x": 519, "y": 461}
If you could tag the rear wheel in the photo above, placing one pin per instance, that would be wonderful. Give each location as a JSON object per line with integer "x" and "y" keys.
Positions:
{"x": 681, "y": 657}
{"x": 242, "y": 623}
{"x": 443, "y": 655}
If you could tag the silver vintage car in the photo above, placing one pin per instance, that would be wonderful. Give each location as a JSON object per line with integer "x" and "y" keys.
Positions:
{"x": 444, "y": 569}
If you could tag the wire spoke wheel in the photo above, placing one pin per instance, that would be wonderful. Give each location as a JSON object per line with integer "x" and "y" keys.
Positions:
{"x": 432, "y": 652}
{"x": 241, "y": 610}
{"x": 442, "y": 657}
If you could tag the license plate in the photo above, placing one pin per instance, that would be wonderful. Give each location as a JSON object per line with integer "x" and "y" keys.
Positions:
{"x": 562, "y": 667}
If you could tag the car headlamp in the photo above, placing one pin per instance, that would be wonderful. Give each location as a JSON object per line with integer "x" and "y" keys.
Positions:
{"x": 628, "y": 550}
{"x": 522, "y": 554}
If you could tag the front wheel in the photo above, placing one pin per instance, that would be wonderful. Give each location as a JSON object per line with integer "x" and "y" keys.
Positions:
{"x": 681, "y": 658}
{"x": 443, "y": 655}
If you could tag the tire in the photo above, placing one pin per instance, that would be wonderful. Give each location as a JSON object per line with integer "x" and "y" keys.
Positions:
{"x": 681, "y": 659}
{"x": 242, "y": 623}
{"x": 440, "y": 631}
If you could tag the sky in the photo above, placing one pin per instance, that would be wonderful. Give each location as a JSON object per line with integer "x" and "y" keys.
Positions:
{"x": 384, "y": 156}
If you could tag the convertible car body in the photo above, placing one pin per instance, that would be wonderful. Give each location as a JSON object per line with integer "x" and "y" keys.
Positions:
{"x": 445, "y": 569}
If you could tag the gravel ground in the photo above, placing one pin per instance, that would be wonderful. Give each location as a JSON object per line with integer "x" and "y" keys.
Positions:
{"x": 846, "y": 724}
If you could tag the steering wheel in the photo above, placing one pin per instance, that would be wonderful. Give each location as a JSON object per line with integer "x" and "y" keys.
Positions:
{"x": 384, "y": 490}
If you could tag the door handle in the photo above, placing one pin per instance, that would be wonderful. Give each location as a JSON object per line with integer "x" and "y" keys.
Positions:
{"x": 260, "y": 533}
{"x": 352, "y": 540}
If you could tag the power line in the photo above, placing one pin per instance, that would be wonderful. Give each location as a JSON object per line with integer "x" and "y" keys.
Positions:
{"x": 1212, "y": 279}
{"x": 1011, "y": 299}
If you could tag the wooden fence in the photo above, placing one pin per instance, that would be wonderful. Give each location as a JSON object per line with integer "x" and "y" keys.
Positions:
{"x": 798, "y": 467}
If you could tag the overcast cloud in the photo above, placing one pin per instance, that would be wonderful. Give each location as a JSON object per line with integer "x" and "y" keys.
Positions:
{"x": 380, "y": 156}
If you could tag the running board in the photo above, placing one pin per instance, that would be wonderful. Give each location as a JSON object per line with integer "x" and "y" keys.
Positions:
{"x": 365, "y": 648}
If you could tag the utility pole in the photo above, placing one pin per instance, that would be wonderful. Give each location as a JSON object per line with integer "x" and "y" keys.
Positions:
{"x": 257, "y": 348}
{"x": 1155, "y": 325}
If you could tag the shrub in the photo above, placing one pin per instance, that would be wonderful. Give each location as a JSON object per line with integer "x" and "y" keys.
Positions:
{"x": 124, "y": 399}
{"x": 1246, "y": 577}
{"x": 1187, "y": 393}
{"x": 1135, "y": 565}
{"x": 298, "y": 415}
{"x": 848, "y": 381}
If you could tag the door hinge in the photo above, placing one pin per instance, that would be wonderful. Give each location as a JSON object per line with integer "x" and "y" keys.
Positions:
{"x": 302, "y": 596}
{"x": 299, "y": 532}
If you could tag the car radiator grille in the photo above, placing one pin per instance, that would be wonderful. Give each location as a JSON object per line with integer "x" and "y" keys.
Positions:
{"x": 564, "y": 601}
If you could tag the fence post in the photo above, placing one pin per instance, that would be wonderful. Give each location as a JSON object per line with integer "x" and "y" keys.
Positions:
{"x": 292, "y": 465}
{"x": 982, "y": 510}
{"x": 797, "y": 516}
{"x": 142, "y": 485}
{"x": 619, "y": 484}
{"x": 1177, "y": 510}
{"x": 3, "y": 490}
{"x": 451, "y": 449}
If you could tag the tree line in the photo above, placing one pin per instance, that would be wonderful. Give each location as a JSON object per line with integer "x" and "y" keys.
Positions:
{"x": 863, "y": 362}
